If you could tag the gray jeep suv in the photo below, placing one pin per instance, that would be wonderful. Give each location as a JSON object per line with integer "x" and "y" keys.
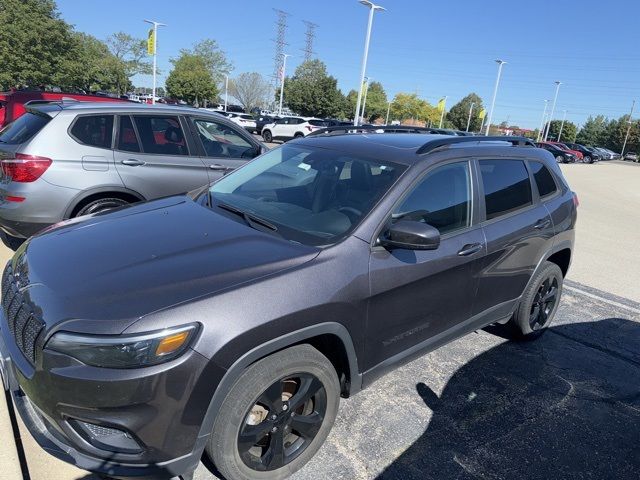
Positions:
{"x": 230, "y": 321}
{"x": 65, "y": 160}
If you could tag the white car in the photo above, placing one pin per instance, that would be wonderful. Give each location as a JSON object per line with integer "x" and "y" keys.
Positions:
{"x": 243, "y": 119}
{"x": 287, "y": 128}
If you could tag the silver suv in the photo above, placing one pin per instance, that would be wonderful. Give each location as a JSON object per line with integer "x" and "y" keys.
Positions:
{"x": 61, "y": 161}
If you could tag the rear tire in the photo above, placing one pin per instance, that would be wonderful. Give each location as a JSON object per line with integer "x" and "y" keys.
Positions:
{"x": 538, "y": 304}
{"x": 269, "y": 387}
{"x": 12, "y": 242}
{"x": 266, "y": 135}
{"x": 298, "y": 135}
{"x": 587, "y": 159}
{"x": 560, "y": 159}
{"x": 100, "y": 205}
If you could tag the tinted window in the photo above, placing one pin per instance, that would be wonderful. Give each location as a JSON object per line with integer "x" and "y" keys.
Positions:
{"x": 544, "y": 179}
{"x": 161, "y": 135}
{"x": 94, "y": 130}
{"x": 318, "y": 123}
{"x": 220, "y": 140}
{"x": 127, "y": 139}
{"x": 23, "y": 129}
{"x": 442, "y": 199}
{"x": 506, "y": 186}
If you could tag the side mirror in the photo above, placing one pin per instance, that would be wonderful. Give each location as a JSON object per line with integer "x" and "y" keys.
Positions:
{"x": 411, "y": 235}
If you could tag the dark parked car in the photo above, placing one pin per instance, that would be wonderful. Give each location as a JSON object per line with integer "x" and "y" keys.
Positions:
{"x": 589, "y": 155}
{"x": 231, "y": 320}
{"x": 561, "y": 155}
{"x": 61, "y": 161}
{"x": 263, "y": 120}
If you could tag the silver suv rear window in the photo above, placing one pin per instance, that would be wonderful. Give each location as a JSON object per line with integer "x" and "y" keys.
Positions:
{"x": 23, "y": 128}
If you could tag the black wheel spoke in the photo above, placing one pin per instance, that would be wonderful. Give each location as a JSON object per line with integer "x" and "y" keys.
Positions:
{"x": 252, "y": 434}
{"x": 272, "y": 397}
{"x": 533, "y": 318}
{"x": 274, "y": 458}
{"x": 307, "y": 425}
{"x": 550, "y": 295}
{"x": 309, "y": 386}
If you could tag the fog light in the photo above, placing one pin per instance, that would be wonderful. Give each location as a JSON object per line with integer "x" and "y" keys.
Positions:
{"x": 107, "y": 438}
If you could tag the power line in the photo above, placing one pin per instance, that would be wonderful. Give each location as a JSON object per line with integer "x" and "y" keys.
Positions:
{"x": 281, "y": 30}
{"x": 310, "y": 36}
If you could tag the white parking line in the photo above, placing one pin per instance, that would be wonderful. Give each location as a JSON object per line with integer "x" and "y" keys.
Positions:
{"x": 602, "y": 299}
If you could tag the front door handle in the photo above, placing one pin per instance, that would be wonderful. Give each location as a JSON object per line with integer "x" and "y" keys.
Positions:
{"x": 470, "y": 249}
{"x": 218, "y": 167}
{"x": 542, "y": 223}
{"x": 132, "y": 162}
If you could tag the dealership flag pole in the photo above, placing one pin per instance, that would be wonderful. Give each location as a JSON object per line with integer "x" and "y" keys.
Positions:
{"x": 626, "y": 137}
{"x": 553, "y": 109}
{"x": 564, "y": 117}
{"x": 469, "y": 119}
{"x": 152, "y": 43}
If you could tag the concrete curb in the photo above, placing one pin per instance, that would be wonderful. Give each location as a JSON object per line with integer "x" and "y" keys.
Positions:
{"x": 9, "y": 459}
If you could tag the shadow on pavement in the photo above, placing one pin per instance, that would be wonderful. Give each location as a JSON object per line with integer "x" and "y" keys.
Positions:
{"x": 564, "y": 406}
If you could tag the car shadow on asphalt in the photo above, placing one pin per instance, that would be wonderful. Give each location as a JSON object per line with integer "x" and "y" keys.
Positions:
{"x": 564, "y": 406}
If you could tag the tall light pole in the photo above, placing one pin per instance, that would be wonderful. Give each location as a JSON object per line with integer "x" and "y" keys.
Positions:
{"x": 626, "y": 137}
{"x": 282, "y": 72}
{"x": 495, "y": 93}
{"x": 553, "y": 109}
{"x": 226, "y": 91}
{"x": 372, "y": 9}
{"x": 444, "y": 107}
{"x": 564, "y": 117}
{"x": 469, "y": 119}
{"x": 386, "y": 122}
{"x": 364, "y": 98}
{"x": 152, "y": 49}
{"x": 542, "y": 125}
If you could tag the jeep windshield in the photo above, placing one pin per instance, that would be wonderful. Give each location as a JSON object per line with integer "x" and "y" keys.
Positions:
{"x": 311, "y": 195}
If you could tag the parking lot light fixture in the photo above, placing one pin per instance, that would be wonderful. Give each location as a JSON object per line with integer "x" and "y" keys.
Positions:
{"x": 564, "y": 117}
{"x": 226, "y": 91}
{"x": 372, "y": 8}
{"x": 155, "y": 54}
{"x": 626, "y": 137}
{"x": 553, "y": 109}
{"x": 469, "y": 119}
{"x": 495, "y": 93}
{"x": 364, "y": 98}
{"x": 542, "y": 124}
{"x": 386, "y": 122}
{"x": 282, "y": 73}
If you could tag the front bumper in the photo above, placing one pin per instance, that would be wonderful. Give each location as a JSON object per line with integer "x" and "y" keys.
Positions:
{"x": 49, "y": 405}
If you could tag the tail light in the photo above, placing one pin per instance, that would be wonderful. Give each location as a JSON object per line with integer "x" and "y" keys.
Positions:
{"x": 576, "y": 202}
{"x": 25, "y": 168}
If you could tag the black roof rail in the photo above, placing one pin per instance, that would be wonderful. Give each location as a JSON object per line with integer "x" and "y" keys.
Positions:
{"x": 345, "y": 129}
{"x": 442, "y": 142}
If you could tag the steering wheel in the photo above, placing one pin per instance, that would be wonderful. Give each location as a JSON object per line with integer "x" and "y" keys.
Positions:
{"x": 353, "y": 213}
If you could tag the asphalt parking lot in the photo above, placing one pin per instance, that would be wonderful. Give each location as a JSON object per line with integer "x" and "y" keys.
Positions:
{"x": 564, "y": 406}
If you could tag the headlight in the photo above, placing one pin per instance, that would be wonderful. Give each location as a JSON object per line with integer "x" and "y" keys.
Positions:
{"x": 124, "y": 351}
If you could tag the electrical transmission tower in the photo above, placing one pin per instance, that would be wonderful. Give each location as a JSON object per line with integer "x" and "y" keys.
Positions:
{"x": 310, "y": 34}
{"x": 281, "y": 26}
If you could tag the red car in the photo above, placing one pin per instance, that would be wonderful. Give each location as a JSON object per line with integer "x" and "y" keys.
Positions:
{"x": 562, "y": 146}
{"x": 12, "y": 104}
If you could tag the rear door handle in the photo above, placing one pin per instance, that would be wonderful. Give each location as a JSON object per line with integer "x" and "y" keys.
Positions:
{"x": 132, "y": 162}
{"x": 218, "y": 167}
{"x": 470, "y": 249}
{"x": 542, "y": 223}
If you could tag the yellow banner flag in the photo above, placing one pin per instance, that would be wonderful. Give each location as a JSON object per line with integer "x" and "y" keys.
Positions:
{"x": 482, "y": 114}
{"x": 151, "y": 42}
{"x": 441, "y": 104}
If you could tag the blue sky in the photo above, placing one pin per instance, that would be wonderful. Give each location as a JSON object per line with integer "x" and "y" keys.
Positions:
{"x": 433, "y": 48}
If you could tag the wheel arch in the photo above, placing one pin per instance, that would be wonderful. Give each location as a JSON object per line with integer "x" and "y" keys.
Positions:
{"x": 331, "y": 338}
{"x": 101, "y": 192}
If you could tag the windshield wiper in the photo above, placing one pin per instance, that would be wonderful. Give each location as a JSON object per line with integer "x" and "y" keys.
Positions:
{"x": 250, "y": 218}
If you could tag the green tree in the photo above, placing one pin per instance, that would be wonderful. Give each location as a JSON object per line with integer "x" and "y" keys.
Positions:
{"x": 312, "y": 91}
{"x": 459, "y": 113}
{"x": 132, "y": 52}
{"x": 34, "y": 42}
{"x": 214, "y": 58}
{"x": 569, "y": 131}
{"x": 407, "y": 106}
{"x": 377, "y": 102}
{"x": 616, "y": 131}
{"x": 593, "y": 131}
{"x": 191, "y": 79}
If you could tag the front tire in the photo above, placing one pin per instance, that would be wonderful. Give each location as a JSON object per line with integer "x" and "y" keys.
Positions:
{"x": 266, "y": 135}
{"x": 538, "y": 304}
{"x": 299, "y": 135}
{"x": 276, "y": 416}
{"x": 560, "y": 159}
{"x": 587, "y": 159}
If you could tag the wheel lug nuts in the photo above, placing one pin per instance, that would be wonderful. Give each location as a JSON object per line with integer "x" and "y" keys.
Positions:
{"x": 274, "y": 429}
{"x": 274, "y": 417}
{"x": 285, "y": 407}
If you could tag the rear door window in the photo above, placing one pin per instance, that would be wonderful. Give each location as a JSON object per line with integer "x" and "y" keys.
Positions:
{"x": 94, "y": 130}
{"x": 507, "y": 187}
{"x": 161, "y": 135}
{"x": 543, "y": 178}
{"x": 127, "y": 138}
{"x": 23, "y": 129}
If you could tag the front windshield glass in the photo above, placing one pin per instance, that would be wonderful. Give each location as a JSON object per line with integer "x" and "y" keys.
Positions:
{"x": 313, "y": 195}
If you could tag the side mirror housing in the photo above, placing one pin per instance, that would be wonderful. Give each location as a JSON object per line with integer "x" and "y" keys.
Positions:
{"x": 411, "y": 235}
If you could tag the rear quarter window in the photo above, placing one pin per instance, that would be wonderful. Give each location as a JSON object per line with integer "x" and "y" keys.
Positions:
{"x": 507, "y": 187}
{"x": 23, "y": 129}
{"x": 93, "y": 130}
{"x": 543, "y": 178}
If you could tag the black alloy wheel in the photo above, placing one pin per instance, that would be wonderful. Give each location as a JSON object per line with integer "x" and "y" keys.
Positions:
{"x": 543, "y": 304}
{"x": 101, "y": 205}
{"x": 283, "y": 422}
